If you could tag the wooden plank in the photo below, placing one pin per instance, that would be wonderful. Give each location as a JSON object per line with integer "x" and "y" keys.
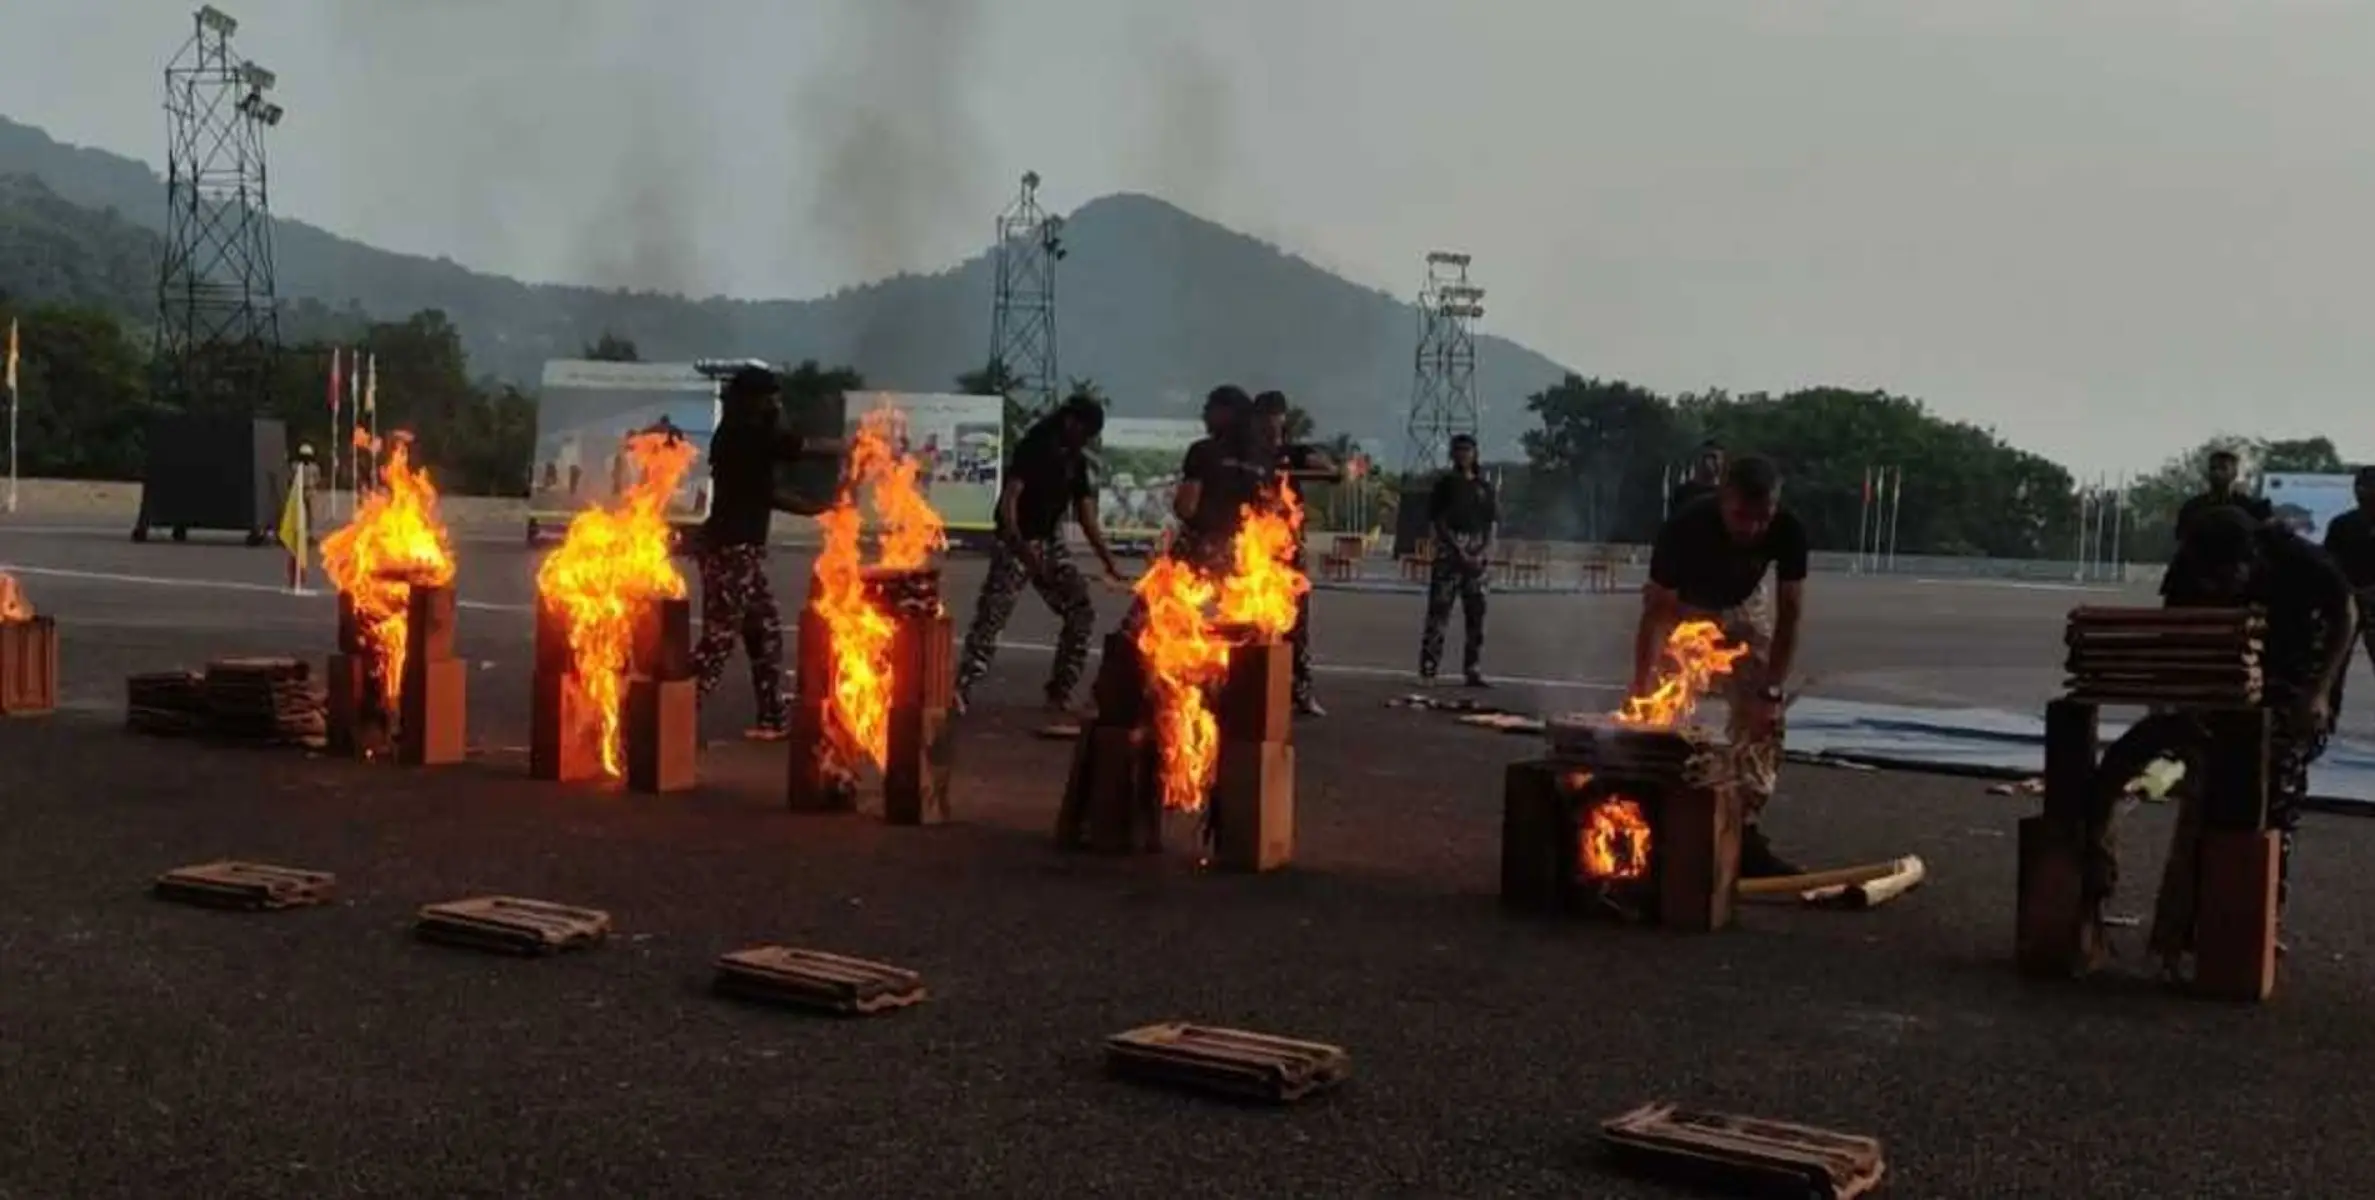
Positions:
{"x": 511, "y": 925}
{"x": 2173, "y": 618}
{"x": 2235, "y": 914}
{"x": 817, "y": 981}
{"x": 1537, "y": 838}
{"x": 1230, "y": 1062}
{"x": 28, "y": 667}
{"x": 1253, "y": 806}
{"x": 662, "y": 735}
{"x": 2055, "y": 935}
{"x": 1744, "y": 1155}
{"x": 1695, "y": 846}
{"x": 245, "y": 886}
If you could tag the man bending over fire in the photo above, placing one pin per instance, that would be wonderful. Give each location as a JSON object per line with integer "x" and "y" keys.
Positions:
{"x": 2230, "y": 560}
{"x": 1048, "y": 477}
{"x": 1709, "y": 564}
{"x": 1222, "y": 473}
{"x": 736, "y": 600}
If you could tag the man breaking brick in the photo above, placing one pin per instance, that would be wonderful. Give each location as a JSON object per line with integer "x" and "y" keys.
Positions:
{"x": 731, "y": 548}
{"x": 2229, "y": 560}
{"x": 2350, "y": 542}
{"x": 1298, "y": 463}
{"x": 1047, "y": 478}
{"x": 1461, "y": 514}
{"x": 1222, "y": 473}
{"x": 1710, "y": 563}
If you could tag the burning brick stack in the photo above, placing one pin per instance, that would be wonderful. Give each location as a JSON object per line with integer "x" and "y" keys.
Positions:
{"x": 28, "y": 655}
{"x": 395, "y": 677}
{"x": 1640, "y": 824}
{"x": 1633, "y": 815}
{"x": 2185, "y": 656}
{"x": 905, "y": 705}
{"x": 1251, "y": 809}
{"x": 876, "y": 676}
{"x": 1113, "y": 797}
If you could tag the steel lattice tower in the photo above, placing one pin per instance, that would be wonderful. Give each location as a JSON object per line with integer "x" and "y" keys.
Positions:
{"x": 218, "y": 320}
{"x": 1023, "y": 316}
{"x": 1443, "y": 391}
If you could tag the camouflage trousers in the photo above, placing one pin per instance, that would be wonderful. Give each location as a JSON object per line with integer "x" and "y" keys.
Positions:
{"x": 1451, "y": 580}
{"x": 737, "y": 602}
{"x": 1060, "y": 584}
{"x": 2366, "y": 636}
{"x": 2294, "y": 745}
{"x": 1300, "y": 639}
{"x": 1755, "y": 752}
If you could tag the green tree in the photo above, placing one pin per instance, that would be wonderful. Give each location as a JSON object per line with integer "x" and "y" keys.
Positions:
{"x": 611, "y": 347}
{"x": 2152, "y": 501}
{"x": 1596, "y": 466}
{"x": 82, "y": 393}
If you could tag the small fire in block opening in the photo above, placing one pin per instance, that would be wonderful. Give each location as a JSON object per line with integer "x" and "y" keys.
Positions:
{"x": 395, "y": 541}
{"x": 1615, "y": 840}
{"x": 613, "y": 563}
{"x": 882, "y": 482}
{"x": 1185, "y": 646}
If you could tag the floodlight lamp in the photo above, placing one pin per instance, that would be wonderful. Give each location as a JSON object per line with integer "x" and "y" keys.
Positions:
{"x": 257, "y": 78}
{"x": 1446, "y": 258}
{"x": 269, "y": 113}
{"x": 1030, "y": 181}
{"x": 215, "y": 20}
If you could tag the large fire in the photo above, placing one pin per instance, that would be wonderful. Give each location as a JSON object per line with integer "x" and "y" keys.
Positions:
{"x": 13, "y": 605}
{"x": 1615, "y": 840}
{"x": 1696, "y": 657}
{"x": 908, "y": 532}
{"x": 1183, "y": 645}
{"x": 394, "y": 542}
{"x": 614, "y": 563}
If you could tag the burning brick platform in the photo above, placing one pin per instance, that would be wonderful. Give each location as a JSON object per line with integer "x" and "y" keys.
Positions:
{"x": 2198, "y": 669}
{"x": 429, "y": 723}
{"x": 28, "y": 666}
{"x": 1637, "y": 824}
{"x": 829, "y": 771}
{"x": 1113, "y": 795}
{"x": 658, "y": 700}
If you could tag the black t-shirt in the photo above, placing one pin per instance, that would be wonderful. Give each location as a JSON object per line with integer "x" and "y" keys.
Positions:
{"x": 2350, "y": 539}
{"x": 1295, "y": 456}
{"x": 1053, "y": 477}
{"x": 1227, "y": 480}
{"x": 2256, "y": 507}
{"x": 1686, "y": 492}
{"x": 1463, "y": 506}
{"x": 2297, "y": 584}
{"x": 1697, "y": 559}
{"x": 742, "y": 460}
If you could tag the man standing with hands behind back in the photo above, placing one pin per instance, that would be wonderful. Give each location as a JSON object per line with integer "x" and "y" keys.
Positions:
{"x": 1709, "y": 564}
{"x": 1461, "y": 512}
{"x": 2350, "y": 542}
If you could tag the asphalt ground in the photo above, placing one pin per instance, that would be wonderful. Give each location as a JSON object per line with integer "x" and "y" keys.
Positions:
{"x": 150, "y": 1049}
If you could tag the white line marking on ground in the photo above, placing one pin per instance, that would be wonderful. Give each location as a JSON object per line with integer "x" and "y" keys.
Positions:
{"x": 2025, "y": 585}
{"x": 1360, "y": 670}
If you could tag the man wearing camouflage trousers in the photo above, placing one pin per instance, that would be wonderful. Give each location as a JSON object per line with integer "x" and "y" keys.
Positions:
{"x": 1048, "y": 476}
{"x": 1461, "y": 513}
{"x": 1709, "y": 564}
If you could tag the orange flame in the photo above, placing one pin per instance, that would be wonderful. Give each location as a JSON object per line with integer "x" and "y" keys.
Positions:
{"x": 394, "y": 542}
{"x": 613, "y": 563}
{"x": 1697, "y": 657}
{"x": 1184, "y": 650}
{"x": 1615, "y": 840}
{"x": 13, "y": 605}
{"x": 908, "y": 533}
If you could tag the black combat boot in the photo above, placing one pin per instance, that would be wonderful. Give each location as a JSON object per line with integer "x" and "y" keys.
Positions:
{"x": 1757, "y": 859}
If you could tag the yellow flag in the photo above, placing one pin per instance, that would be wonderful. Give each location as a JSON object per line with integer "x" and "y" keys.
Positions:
{"x": 292, "y": 524}
{"x": 11, "y": 356}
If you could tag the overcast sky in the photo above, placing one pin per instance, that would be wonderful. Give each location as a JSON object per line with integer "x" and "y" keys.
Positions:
{"x": 2108, "y": 228}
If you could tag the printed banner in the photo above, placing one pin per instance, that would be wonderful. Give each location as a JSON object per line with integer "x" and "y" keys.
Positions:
{"x": 1139, "y": 469}
{"x": 2305, "y": 504}
{"x": 960, "y": 440}
{"x": 585, "y": 412}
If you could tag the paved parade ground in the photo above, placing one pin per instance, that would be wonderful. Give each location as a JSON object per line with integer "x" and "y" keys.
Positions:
{"x": 156, "y": 1050}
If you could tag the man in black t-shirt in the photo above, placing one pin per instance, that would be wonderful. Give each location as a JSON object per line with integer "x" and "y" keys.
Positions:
{"x": 1704, "y": 478}
{"x": 1710, "y": 563}
{"x": 2230, "y": 560}
{"x": 2222, "y": 472}
{"x": 1047, "y": 478}
{"x": 1298, "y": 463}
{"x": 2350, "y": 542}
{"x": 1461, "y": 513}
{"x": 736, "y": 600}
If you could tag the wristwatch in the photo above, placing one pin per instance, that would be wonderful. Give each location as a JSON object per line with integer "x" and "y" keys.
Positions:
{"x": 1772, "y": 694}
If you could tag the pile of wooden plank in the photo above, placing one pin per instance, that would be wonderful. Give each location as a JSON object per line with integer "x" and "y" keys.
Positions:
{"x": 1597, "y": 742}
{"x": 1744, "y": 1156}
{"x": 165, "y": 704}
{"x": 2207, "y": 657}
{"x": 264, "y": 700}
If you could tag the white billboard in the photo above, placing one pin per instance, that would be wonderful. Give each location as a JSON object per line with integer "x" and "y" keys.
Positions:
{"x": 584, "y": 412}
{"x": 2305, "y": 504}
{"x": 960, "y": 440}
{"x": 1138, "y": 461}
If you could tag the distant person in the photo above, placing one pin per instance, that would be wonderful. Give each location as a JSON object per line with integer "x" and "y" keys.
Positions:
{"x": 305, "y": 475}
{"x": 552, "y": 477}
{"x": 1049, "y": 479}
{"x": 2229, "y": 559}
{"x": 1707, "y": 472}
{"x": 2222, "y": 475}
{"x": 2350, "y": 541}
{"x": 1298, "y": 464}
{"x": 1709, "y": 564}
{"x": 736, "y": 599}
{"x": 1462, "y": 511}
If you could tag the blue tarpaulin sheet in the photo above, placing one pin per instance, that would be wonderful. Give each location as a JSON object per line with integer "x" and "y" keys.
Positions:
{"x": 1991, "y": 741}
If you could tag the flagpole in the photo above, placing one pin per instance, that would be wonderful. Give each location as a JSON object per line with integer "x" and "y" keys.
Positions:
{"x": 337, "y": 385}
{"x": 12, "y": 407}
{"x": 354, "y": 421}
{"x": 1896, "y": 505}
{"x": 1863, "y": 519}
{"x": 2119, "y": 518}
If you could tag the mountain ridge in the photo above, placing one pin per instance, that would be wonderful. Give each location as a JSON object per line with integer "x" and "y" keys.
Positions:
{"x": 1154, "y": 302}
